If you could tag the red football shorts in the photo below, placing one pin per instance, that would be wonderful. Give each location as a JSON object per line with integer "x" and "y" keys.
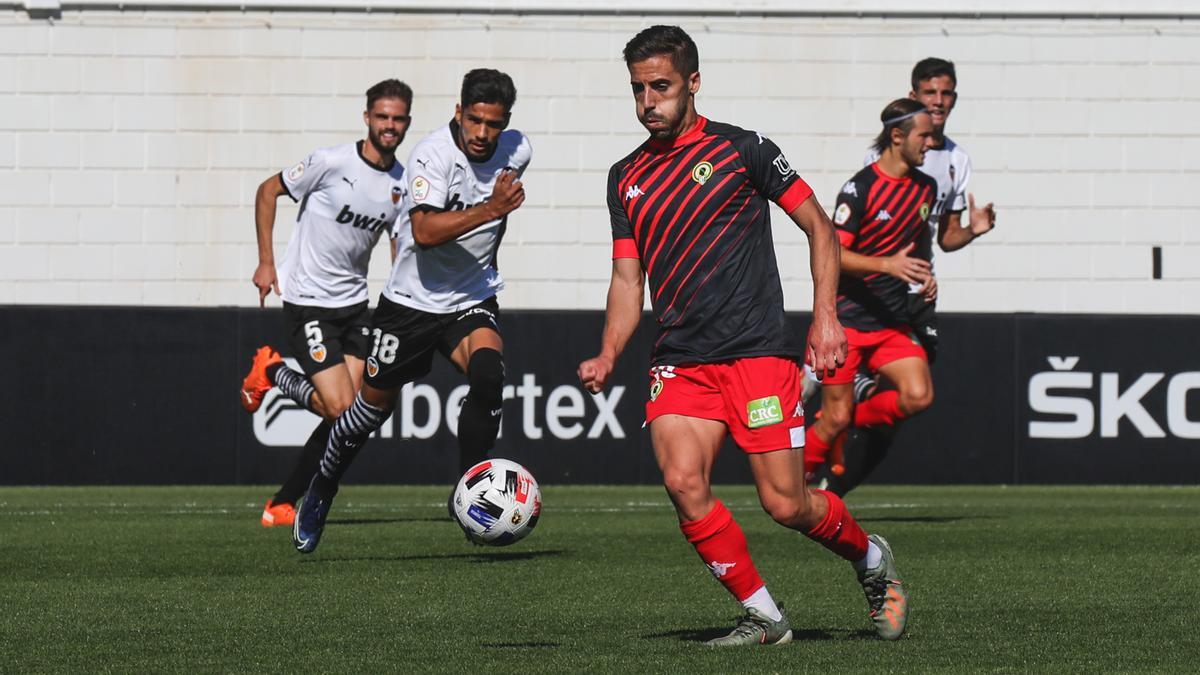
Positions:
{"x": 758, "y": 399}
{"x": 879, "y": 348}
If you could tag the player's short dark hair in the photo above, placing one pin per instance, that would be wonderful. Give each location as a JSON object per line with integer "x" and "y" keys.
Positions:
{"x": 389, "y": 89}
{"x": 927, "y": 69}
{"x": 484, "y": 85}
{"x": 890, "y": 117}
{"x": 670, "y": 41}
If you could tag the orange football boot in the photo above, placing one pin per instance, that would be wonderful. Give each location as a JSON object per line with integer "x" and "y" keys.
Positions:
{"x": 256, "y": 385}
{"x": 278, "y": 515}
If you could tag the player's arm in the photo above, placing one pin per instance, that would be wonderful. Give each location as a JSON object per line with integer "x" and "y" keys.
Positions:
{"x": 826, "y": 339}
{"x": 265, "y": 279}
{"x": 901, "y": 265}
{"x": 622, "y": 312}
{"x": 432, "y": 227}
{"x": 951, "y": 233}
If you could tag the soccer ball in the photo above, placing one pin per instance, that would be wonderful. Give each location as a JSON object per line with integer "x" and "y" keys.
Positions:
{"x": 497, "y": 502}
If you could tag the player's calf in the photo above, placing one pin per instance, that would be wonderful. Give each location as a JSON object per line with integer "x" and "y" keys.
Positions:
{"x": 479, "y": 420}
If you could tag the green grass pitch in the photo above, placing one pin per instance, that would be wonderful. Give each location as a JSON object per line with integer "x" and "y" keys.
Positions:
{"x": 1086, "y": 579}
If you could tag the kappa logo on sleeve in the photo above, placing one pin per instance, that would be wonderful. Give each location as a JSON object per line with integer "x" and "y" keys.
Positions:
{"x": 763, "y": 412}
{"x": 420, "y": 188}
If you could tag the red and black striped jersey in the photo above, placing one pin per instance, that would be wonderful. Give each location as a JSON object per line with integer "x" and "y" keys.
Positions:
{"x": 694, "y": 211}
{"x": 878, "y": 215}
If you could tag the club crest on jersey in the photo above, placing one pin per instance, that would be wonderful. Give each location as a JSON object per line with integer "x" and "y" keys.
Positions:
{"x": 420, "y": 188}
{"x": 702, "y": 172}
{"x": 397, "y": 193}
{"x": 318, "y": 352}
{"x": 295, "y": 172}
{"x": 842, "y": 214}
{"x": 924, "y": 211}
{"x": 372, "y": 366}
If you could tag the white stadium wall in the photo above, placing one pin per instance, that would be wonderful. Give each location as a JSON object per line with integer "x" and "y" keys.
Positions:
{"x": 131, "y": 142}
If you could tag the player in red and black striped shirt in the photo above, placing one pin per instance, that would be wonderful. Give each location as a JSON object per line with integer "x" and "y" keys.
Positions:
{"x": 689, "y": 211}
{"x": 883, "y": 215}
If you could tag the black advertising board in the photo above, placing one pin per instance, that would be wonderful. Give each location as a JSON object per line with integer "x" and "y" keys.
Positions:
{"x": 103, "y": 395}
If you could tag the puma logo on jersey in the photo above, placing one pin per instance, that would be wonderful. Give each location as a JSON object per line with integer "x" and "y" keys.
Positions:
{"x": 633, "y": 192}
{"x": 883, "y": 215}
{"x": 350, "y": 182}
{"x": 346, "y": 216}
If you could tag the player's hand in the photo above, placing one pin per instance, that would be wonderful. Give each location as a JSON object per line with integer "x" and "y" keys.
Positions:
{"x": 906, "y": 268}
{"x": 826, "y": 344}
{"x": 265, "y": 279}
{"x": 593, "y": 373}
{"x": 980, "y": 220}
{"x": 930, "y": 290}
{"x": 507, "y": 194}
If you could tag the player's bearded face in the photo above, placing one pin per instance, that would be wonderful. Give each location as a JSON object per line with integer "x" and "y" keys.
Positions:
{"x": 479, "y": 127}
{"x": 387, "y": 123}
{"x": 938, "y": 96}
{"x": 918, "y": 141}
{"x": 665, "y": 98}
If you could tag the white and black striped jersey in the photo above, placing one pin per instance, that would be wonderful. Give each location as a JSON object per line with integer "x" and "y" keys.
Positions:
{"x": 345, "y": 205}
{"x": 460, "y": 273}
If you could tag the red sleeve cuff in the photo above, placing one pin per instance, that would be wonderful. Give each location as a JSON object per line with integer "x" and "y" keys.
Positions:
{"x": 794, "y": 196}
{"x": 846, "y": 238}
{"x": 624, "y": 248}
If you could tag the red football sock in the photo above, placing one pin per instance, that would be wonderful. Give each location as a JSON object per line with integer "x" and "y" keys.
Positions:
{"x": 815, "y": 451}
{"x": 722, "y": 546}
{"x": 839, "y": 532}
{"x": 882, "y": 408}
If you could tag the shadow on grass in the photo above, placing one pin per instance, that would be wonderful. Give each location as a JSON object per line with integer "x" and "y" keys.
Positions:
{"x": 481, "y": 557}
{"x": 812, "y": 634}
{"x": 921, "y": 519}
{"x": 379, "y": 521}
{"x": 520, "y": 645}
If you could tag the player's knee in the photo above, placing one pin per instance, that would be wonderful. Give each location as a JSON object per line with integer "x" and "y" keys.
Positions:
{"x": 836, "y": 419}
{"x": 916, "y": 398}
{"x": 683, "y": 483}
{"x": 485, "y": 374}
{"x": 785, "y": 510}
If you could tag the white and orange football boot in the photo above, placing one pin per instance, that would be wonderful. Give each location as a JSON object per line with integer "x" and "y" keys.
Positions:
{"x": 278, "y": 515}
{"x": 256, "y": 385}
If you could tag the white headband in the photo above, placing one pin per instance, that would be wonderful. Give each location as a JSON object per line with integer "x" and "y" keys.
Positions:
{"x": 888, "y": 123}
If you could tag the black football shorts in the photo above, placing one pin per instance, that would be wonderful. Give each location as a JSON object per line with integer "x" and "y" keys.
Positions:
{"x": 320, "y": 337}
{"x": 406, "y": 338}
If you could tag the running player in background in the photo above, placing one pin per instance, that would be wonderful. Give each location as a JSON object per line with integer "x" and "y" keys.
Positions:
{"x": 441, "y": 296}
{"x": 882, "y": 217}
{"x": 689, "y": 211}
{"x": 349, "y": 195}
{"x": 934, "y": 83}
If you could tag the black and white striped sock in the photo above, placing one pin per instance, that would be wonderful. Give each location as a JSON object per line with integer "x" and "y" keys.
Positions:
{"x": 350, "y": 432}
{"x": 294, "y": 385}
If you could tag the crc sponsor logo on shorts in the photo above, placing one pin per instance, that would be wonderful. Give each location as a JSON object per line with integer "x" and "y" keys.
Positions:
{"x": 763, "y": 412}
{"x": 1069, "y": 403}
{"x": 478, "y": 310}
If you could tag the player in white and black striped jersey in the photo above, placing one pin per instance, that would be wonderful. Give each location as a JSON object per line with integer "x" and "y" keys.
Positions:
{"x": 350, "y": 195}
{"x": 464, "y": 180}
{"x": 934, "y": 82}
